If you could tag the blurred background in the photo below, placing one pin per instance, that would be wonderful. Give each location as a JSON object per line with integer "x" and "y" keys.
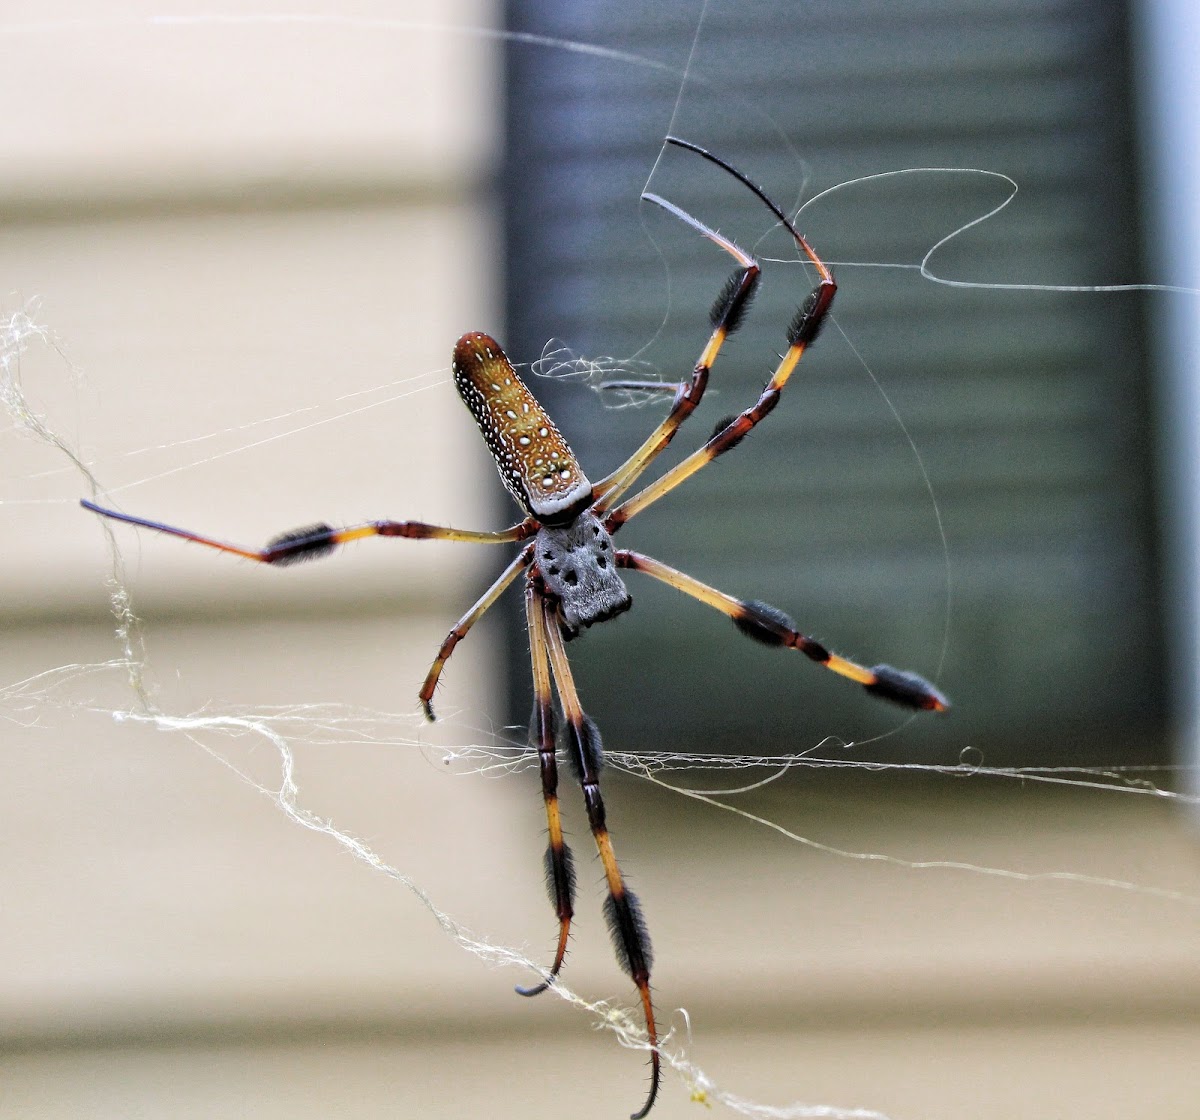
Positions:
{"x": 252, "y": 242}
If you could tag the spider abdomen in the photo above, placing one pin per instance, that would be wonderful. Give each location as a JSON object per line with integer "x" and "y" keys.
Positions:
{"x": 535, "y": 462}
{"x": 576, "y": 564}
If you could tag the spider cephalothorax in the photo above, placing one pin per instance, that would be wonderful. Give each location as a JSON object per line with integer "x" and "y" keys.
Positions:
{"x": 578, "y": 567}
{"x": 571, "y": 568}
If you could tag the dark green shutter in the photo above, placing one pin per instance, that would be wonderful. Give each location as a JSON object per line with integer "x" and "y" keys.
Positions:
{"x": 1028, "y": 408}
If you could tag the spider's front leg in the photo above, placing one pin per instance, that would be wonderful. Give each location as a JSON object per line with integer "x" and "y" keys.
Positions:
{"x": 560, "y": 864}
{"x": 621, "y": 909}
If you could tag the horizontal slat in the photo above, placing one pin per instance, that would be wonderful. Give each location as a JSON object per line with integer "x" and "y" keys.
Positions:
{"x": 1027, "y": 407}
{"x": 120, "y": 109}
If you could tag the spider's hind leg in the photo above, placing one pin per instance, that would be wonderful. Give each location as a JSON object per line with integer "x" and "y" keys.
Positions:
{"x": 726, "y": 316}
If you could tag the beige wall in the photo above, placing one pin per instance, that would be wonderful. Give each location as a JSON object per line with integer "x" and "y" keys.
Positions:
{"x": 241, "y": 235}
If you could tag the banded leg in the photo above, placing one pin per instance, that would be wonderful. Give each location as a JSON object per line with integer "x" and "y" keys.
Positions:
{"x": 802, "y": 331}
{"x": 464, "y": 624}
{"x": 560, "y": 864}
{"x": 772, "y": 627}
{"x": 319, "y": 540}
{"x": 730, "y": 433}
{"x": 621, "y": 909}
{"x": 726, "y": 316}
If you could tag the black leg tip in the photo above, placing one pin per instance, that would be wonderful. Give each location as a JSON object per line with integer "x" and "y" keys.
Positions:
{"x": 536, "y": 990}
{"x": 906, "y": 689}
{"x": 652, "y": 1096}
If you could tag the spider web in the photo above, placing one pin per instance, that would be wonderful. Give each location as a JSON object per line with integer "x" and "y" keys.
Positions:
{"x": 77, "y": 688}
{"x": 331, "y": 726}
{"x": 222, "y": 733}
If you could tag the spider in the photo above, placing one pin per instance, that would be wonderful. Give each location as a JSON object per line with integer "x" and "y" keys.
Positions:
{"x": 572, "y": 569}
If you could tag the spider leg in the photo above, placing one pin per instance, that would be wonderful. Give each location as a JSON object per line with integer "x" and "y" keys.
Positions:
{"x": 622, "y": 911}
{"x": 772, "y": 627}
{"x": 803, "y": 329}
{"x": 486, "y": 600}
{"x": 725, "y": 316}
{"x": 319, "y": 540}
{"x": 560, "y": 865}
